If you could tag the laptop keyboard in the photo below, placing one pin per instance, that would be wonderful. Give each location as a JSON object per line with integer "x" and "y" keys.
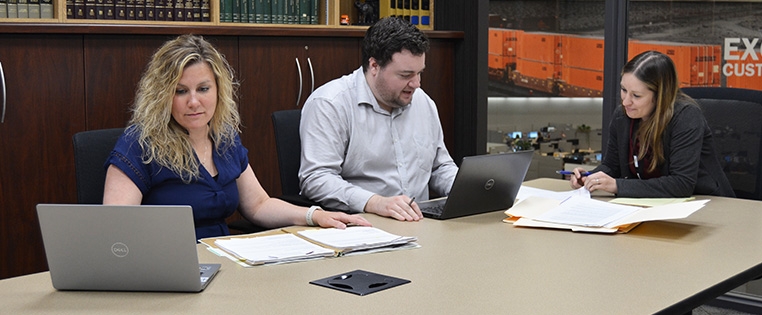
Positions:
{"x": 435, "y": 210}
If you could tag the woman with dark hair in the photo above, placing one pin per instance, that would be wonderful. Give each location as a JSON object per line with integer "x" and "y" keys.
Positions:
{"x": 660, "y": 144}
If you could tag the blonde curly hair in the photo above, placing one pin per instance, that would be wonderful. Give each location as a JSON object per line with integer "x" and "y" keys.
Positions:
{"x": 162, "y": 139}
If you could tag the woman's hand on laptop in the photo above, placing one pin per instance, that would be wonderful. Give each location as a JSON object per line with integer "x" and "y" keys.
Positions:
{"x": 401, "y": 207}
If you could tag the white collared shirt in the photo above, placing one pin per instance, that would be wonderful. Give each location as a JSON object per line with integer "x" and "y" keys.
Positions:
{"x": 353, "y": 149}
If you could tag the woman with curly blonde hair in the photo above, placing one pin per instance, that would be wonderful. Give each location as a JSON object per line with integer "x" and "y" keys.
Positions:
{"x": 182, "y": 147}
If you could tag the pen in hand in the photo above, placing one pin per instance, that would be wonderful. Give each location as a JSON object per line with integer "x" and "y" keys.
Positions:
{"x": 572, "y": 173}
{"x": 410, "y": 204}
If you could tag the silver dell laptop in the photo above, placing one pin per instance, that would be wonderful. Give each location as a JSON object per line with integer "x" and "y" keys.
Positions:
{"x": 484, "y": 183}
{"x": 122, "y": 248}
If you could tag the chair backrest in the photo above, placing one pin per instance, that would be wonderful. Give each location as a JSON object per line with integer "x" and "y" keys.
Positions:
{"x": 288, "y": 145}
{"x": 734, "y": 115}
{"x": 91, "y": 149}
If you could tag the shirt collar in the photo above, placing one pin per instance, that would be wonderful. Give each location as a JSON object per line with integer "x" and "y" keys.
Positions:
{"x": 365, "y": 96}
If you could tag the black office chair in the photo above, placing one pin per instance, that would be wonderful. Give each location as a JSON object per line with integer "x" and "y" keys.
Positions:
{"x": 91, "y": 149}
{"x": 734, "y": 115}
{"x": 288, "y": 146}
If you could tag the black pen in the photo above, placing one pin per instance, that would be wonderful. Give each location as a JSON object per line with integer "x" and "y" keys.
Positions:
{"x": 410, "y": 204}
{"x": 572, "y": 173}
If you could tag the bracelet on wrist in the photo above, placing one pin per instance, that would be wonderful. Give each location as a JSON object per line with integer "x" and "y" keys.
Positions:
{"x": 309, "y": 214}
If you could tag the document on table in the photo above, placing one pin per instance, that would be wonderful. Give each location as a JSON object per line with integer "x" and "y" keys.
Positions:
{"x": 586, "y": 212}
{"x": 273, "y": 248}
{"x": 355, "y": 238}
{"x": 299, "y": 243}
{"x": 526, "y": 191}
{"x": 591, "y": 215}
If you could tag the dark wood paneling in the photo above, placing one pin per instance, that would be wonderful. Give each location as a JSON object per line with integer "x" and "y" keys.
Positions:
{"x": 45, "y": 107}
{"x": 269, "y": 82}
{"x": 438, "y": 81}
{"x": 114, "y": 65}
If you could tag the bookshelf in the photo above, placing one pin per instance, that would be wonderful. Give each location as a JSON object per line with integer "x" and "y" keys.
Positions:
{"x": 328, "y": 13}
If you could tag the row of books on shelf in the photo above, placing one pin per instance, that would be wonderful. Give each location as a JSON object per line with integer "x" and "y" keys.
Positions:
{"x": 418, "y": 12}
{"x": 270, "y": 11}
{"x": 26, "y": 9}
{"x": 159, "y": 10}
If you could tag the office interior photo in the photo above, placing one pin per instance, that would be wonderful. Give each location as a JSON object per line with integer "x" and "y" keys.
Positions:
{"x": 506, "y": 76}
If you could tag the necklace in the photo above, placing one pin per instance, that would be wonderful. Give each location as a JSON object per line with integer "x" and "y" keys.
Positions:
{"x": 206, "y": 149}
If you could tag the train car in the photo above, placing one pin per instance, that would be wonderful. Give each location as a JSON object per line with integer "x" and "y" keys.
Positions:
{"x": 581, "y": 66}
{"x": 538, "y": 61}
{"x": 502, "y": 52}
{"x": 743, "y": 74}
{"x": 696, "y": 64}
{"x": 572, "y": 65}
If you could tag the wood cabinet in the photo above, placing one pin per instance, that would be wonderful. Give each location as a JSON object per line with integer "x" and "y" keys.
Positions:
{"x": 114, "y": 64}
{"x": 277, "y": 74}
{"x": 45, "y": 106}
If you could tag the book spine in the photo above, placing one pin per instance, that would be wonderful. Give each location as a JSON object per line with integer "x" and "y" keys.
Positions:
{"x": 100, "y": 13}
{"x": 188, "y": 10}
{"x": 276, "y": 17}
{"x": 236, "y": 11}
{"x": 415, "y": 9}
{"x": 291, "y": 12}
{"x": 314, "y": 11}
{"x": 130, "y": 9}
{"x": 79, "y": 9}
{"x": 169, "y": 10}
{"x": 400, "y": 11}
{"x": 23, "y": 9}
{"x": 179, "y": 7}
{"x": 3, "y": 9}
{"x": 252, "y": 18}
{"x": 140, "y": 9}
{"x": 206, "y": 14}
{"x": 90, "y": 8}
{"x": 108, "y": 10}
{"x": 13, "y": 9}
{"x": 196, "y": 10}
{"x": 427, "y": 20}
{"x": 406, "y": 10}
{"x": 385, "y": 7}
{"x": 150, "y": 10}
{"x": 258, "y": 11}
{"x": 267, "y": 12}
{"x": 34, "y": 9}
{"x": 305, "y": 8}
{"x": 243, "y": 7}
{"x": 226, "y": 10}
{"x": 120, "y": 9}
{"x": 159, "y": 10}
{"x": 69, "y": 9}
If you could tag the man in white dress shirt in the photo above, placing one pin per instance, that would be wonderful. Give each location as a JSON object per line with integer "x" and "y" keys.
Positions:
{"x": 371, "y": 140}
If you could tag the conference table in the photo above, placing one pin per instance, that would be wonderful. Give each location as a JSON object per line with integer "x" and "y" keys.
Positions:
{"x": 470, "y": 265}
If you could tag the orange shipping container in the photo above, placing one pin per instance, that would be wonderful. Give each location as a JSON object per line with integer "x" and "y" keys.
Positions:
{"x": 696, "y": 65}
{"x": 541, "y": 47}
{"x": 589, "y": 79}
{"x": 510, "y": 42}
{"x": 582, "y": 52}
{"x": 498, "y": 61}
{"x": 495, "y": 41}
{"x": 742, "y": 74}
{"x": 536, "y": 69}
